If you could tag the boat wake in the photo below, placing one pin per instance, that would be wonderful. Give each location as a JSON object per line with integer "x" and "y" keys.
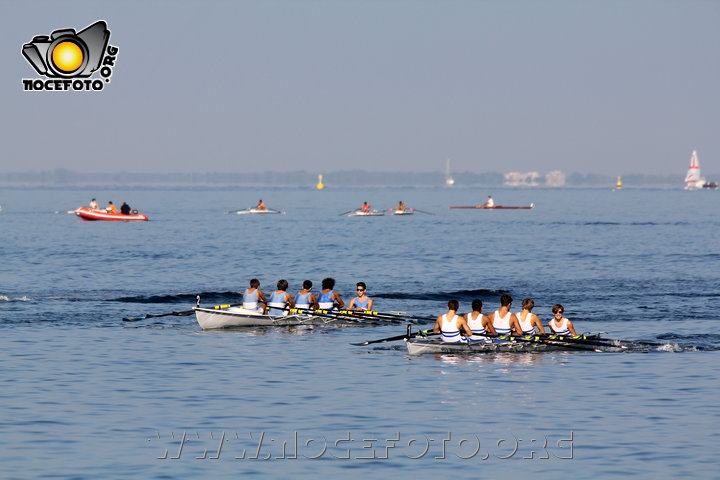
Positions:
{"x": 3, "y": 298}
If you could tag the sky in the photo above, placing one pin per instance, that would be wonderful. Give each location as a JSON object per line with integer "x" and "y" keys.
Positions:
{"x": 605, "y": 87}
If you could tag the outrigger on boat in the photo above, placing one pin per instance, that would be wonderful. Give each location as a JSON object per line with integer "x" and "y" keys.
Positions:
{"x": 497, "y": 207}
{"x": 89, "y": 214}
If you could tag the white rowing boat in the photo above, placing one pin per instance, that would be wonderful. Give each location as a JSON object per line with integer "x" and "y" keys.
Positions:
{"x": 210, "y": 319}
{"x": 408, "y": 211}
{"x": 361, "y": 213}
{"x": 434, "y": 346}
{"x": 256, "y": 211}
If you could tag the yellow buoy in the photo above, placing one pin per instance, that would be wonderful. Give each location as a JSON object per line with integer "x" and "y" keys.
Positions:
{"x": 618, "y": 185}
{"x": 320, "y": 185}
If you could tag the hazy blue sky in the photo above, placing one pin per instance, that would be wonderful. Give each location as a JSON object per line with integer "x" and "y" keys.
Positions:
{"x": 610, "y": 87}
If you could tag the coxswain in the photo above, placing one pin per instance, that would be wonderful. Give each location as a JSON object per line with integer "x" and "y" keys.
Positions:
{"x": 365, "y": 207}
{"x": 489, "y": 202}
{"x": 305, "y": 299}
{"x": 504, "y": 322}
{"x": 125, "y": 209}
{"x": 529, "y": 322}
{"x": 479, "y": 324}
{"x": 252, "y": 297}
{"x": 329, "y": 298}
{"x": 452, "y": 326}
{"x": 362, "y": 301}
{"x": 400, "y": 207}
{"x": 94, "y": 205}
{"x": 280, "y": 301}
{"x": 111, "y": 208}
{"x": 260, "y": 205}
{"x": 560, "y": 325}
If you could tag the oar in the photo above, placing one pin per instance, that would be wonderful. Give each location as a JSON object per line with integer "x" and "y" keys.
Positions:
{"x": 423, "y": 211}
{"x": 183, "y": 313}
{"x": 345, "y": 213}
{"x": 340, "y": 314}
{"x": 408, "y": 334}
{"x": 582, "y": 339}
{"x": 368, "y": 314}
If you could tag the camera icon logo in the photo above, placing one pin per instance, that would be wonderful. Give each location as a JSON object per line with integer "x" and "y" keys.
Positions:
{"x": 68, "y": 54}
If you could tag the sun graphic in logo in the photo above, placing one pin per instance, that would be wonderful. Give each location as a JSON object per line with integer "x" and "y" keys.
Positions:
{"x": 67, "y": 56}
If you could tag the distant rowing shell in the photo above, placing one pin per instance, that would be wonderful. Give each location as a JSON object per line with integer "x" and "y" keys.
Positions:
{"x": 360, "y": 213}
{"x": 499, "y": 207}
{"x": 255, "y": 211}
{"x": 434, "y": 346}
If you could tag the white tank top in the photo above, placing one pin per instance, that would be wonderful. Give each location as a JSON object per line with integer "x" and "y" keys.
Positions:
{"x": 449, "y": 330}
{"x": 526, "y": 325}
{"x": 476, "y": 326}
{"x": 502, "y": 324}
{"x": 559, "y": 330}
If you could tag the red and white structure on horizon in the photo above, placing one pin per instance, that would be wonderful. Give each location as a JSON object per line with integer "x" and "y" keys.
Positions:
{"x": 694, "y": 180}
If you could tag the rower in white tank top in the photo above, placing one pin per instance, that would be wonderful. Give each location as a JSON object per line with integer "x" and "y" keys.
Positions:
{"x": 477, "y": 329}
{"x": 502, "y": 324}
{"x": 561, "y": 329}
{"x": 526, "y": 325}
{"x": 449, "y": 330}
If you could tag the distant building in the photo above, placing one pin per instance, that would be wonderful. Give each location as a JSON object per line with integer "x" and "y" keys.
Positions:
{"x": 556, "y": 178}
{"x": 518, "y": 179}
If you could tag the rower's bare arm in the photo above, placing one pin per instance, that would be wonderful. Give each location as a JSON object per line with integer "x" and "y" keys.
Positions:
{"x": 436, "y": 328}
{"x": 370, "y": 304}
{"x": 289, "y": 300}
{"x": 515, "y": 325}
{"x": 487, "y": 324}
{"x": 571, "y": 328}
{"x": 338, "y": 300}
{"x": 538, "y": 324}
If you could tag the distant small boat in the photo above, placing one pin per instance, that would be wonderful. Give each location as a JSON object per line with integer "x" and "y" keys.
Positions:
{"x": 88, "y": 214}
{"x": 618, "y": 185}
{"x": 320, "y": 185}
{"x": 256, "y": 211}
{"x": 449, "y": 180}
{"x": 362, "y": 213}
{"x": 499, "y": 207}
{"x": 694, "y": 179}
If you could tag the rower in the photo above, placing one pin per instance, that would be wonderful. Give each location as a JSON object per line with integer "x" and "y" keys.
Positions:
{"x": 362, "y": 301}
{"x": 560, "y": 325}
{"x": 479, "y": 324}
{"x": 365, "y": 207}
{"x": 490, "y": 202}
{"x": 504, "y": 322}
{"x": 451, "y": 325}
{"x": 305, "y": 299}
{"x": 253, "y": 296}
{"x": 280, "y": 300}
{"x": 329, "y": 298}
{"x": 400, "y": 207}
{"x": 528, "y": 321}
{"x": 260, "y": 205}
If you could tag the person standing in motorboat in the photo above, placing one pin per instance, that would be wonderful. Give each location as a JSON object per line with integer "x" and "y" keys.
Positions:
{"x": 280, "y": 301}
{"x": 529, "y": 322}
{"x": 560, "y": 325}
{"x": 305, "y": 299}
{"x": 362, "y": 301}
{"x": 253, "y": 297}
{"x": 452, "y": 326}
{"x": 329, "y": 298}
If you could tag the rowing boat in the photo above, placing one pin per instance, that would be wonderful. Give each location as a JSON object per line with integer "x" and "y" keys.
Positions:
{"x": 256, "y": 211}
{"x": 371, "y": 213}
{"x": 422, "y": 346}
{"x": 408, "y": 211}
{"x": 499, "y": 207}
{"x": 210, "y": 319}
{"x": 89, "y": 214}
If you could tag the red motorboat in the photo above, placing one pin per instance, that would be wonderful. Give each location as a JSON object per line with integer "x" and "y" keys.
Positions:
{"x": 89, "y": 214}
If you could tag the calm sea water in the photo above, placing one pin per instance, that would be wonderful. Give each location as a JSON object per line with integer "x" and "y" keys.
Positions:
{"x": 85, "y": 395}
